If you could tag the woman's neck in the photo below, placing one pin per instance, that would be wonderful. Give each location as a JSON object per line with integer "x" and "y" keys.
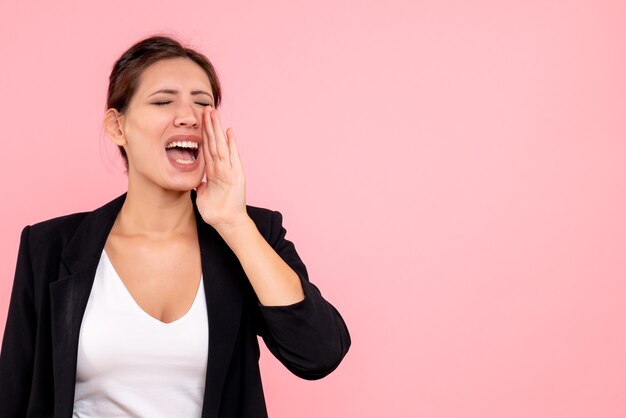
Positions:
{"x": 155, "y": 212}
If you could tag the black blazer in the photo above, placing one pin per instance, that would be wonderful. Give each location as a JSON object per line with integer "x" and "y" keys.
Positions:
{"x": 56, "y": 266}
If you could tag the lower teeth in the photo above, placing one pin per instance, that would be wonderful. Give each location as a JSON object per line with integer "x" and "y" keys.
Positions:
{"x": 185, "y": 161}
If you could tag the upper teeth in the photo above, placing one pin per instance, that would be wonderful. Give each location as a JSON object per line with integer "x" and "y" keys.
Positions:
{"x": 183, "y": 144}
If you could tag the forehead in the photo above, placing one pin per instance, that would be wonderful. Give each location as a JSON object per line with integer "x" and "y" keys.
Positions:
{"x": 175, "y": 73}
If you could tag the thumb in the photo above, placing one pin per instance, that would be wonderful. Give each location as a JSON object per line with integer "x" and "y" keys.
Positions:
{"x": 200, "y": 188}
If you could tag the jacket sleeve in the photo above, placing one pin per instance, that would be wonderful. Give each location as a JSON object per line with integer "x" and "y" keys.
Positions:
{"x": 18, "y": 343}
{"x": 309, "y": 337}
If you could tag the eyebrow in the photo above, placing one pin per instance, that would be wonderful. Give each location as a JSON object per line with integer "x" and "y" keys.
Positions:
{"x": 170, "y": 91}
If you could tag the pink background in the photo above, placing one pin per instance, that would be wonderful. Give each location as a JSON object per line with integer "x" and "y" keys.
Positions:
{"x": 453, "y": 174}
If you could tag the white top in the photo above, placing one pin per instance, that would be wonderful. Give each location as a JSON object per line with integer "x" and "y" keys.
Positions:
{"x": 133, "y": 365}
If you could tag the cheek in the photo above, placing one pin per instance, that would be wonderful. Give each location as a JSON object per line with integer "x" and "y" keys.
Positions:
{"x": 146, "y": 131}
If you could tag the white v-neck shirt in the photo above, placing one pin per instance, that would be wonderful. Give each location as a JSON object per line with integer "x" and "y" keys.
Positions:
{"x": 130, "y": 364}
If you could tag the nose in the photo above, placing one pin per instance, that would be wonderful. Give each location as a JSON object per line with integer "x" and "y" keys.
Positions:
{"x": 186, "y": 116}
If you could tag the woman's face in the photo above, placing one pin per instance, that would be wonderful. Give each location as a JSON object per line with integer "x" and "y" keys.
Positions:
{"x": 162, "y": 125}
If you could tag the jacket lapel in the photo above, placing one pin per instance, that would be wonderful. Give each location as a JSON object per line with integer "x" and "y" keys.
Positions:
{"x": 224, "y": 299}
{"x": 69, "y": 296}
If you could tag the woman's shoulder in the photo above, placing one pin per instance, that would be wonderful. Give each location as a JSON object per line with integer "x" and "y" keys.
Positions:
{"x": 66, "y": 225}
{"x": 59, "y": 225}
{"x": 269, "y": 222}
{"x": 262, "y": 218}
{"x": 259, "y": 212}
{"x": 264, "y": 214}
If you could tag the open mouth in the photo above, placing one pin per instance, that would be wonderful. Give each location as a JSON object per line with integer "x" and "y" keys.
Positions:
{"x": 182, "y": 152}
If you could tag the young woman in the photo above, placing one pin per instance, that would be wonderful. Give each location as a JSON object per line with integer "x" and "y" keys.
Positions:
{"x": 150, "y": 305}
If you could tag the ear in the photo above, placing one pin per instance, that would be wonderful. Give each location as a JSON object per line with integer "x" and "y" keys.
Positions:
{"x": 113, "y": 126}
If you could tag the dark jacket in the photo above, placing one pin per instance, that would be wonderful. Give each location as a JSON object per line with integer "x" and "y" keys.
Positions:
{"x": 55, "y": 271}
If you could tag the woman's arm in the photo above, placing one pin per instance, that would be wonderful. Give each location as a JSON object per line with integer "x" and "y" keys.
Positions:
{"x": 304, "y": 331}
{"x": 308, "y": 336}
{"x": 18, "y": 344}
{"x": 273, "y": 281}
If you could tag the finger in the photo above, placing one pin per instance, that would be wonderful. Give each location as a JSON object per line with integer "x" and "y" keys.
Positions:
{"x": 220, "y": 139}
{"x": 234, "y": 150}
{"x": 200, "y": 188}
{"x": 208, "y": 145}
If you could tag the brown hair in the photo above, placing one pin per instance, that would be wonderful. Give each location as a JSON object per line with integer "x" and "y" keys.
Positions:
{"x": 127, "y": 69}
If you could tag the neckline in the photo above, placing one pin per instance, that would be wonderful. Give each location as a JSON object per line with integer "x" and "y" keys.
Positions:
{"x": 119, "y": 280}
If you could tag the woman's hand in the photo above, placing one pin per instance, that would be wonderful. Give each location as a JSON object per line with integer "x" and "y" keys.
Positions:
{"x": 221, "y": 200}
{"x": 222, "y": 204}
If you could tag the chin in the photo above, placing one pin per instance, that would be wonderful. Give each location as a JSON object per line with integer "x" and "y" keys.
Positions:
{"x": 182, "y": 186}
{"x": 184, "y": 182}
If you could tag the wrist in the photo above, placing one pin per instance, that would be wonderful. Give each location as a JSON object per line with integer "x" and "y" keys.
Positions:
{"x": 234, "y": 225}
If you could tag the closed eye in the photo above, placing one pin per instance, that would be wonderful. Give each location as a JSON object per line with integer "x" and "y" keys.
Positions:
{"x": 167, "y": 102}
